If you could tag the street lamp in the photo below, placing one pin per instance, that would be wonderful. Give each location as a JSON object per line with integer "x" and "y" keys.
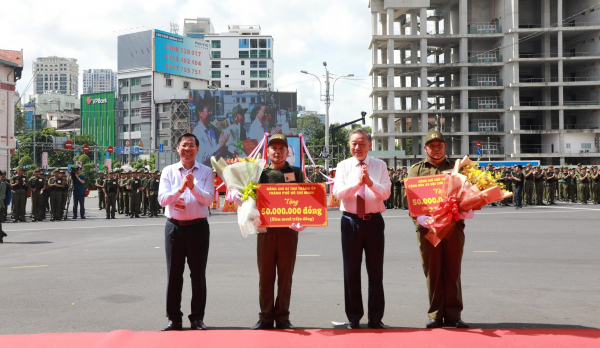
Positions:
{"x": 327, "y": 98}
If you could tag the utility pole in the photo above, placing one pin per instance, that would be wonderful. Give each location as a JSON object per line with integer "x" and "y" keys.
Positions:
{"x": 489, "y": 158}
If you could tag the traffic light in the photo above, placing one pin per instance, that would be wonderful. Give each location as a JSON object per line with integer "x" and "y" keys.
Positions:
{"x": 363, "y": 117}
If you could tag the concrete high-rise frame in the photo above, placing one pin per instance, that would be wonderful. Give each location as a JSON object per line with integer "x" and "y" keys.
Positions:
{"x": 520, "y": 76}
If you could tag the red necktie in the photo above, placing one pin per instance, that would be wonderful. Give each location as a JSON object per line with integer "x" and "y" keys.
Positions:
{"x": 360, "y": 199}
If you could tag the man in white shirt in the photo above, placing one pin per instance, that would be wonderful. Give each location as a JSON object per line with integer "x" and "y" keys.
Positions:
{"x": 209, "y": 146}
{"x": 362, "y": 184}
{"x": 236, "y": 130}
{"x": 186, "y": 191}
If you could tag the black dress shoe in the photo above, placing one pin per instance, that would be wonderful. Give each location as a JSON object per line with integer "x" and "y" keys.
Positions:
{"x": 131, "y": 217}
{"x": 459, "y": 324}
{"x": 284, "y": 324}
{"x": 353, "y": 325}
{"x": 172, "y": 326}
{"x": 197, "y": 325}
{"x": 4, "y": 234}
{"x": 22, "y": 220}
{"x": 434, "y": 323}
{"x": 377, "y": 325}
{"x": 83, "y": 217}
{"x": 108, "y": 217}
{"x": 262, "y": 325}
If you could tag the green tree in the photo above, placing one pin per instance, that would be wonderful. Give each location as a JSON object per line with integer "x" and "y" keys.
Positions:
{"x": 89, "y": 171}
{"x": 83, "y": 159}
{"x": 25, "y": 161}
{"x": 20, "y": 122}
{"x": 152, "y": 162}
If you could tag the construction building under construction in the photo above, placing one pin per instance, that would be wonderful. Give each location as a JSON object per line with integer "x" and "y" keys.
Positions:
{"x": 521, "y": 77}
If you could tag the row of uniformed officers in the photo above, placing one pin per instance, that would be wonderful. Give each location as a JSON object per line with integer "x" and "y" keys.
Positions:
{"x": 132, "y": 193}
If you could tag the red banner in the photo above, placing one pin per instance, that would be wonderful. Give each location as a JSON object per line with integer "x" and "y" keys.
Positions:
{"x": 280, "y": 205}
{"x": 423, "y": 193}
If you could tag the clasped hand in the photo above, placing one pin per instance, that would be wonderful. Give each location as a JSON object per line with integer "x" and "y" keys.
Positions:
{"x": 364, "y": 178}
{"x": 188, "y": 181}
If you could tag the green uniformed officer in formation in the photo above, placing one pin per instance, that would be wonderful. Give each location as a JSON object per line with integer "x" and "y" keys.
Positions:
{"x": 64, "y": 191}
{"x": 37, "y": 185}
{"x": 567, "y": 192}
{"x": 152, "y": 186}
{"x": 595, "y": 177}
{"x": 551, "y": 180}
{"x": 120, "y": 200}
{"x": 582, "y": 180}
{"x": 56, "y": 185}
{"x": 403, "y": 176}
{"x": 441, "y": 264}
{"x": 539, "y": 178}
{"x": 110, "y": 188}
{"x": 389, "y": 203}
{"x": 19, "y": 187}
{"x": 134, "y": 185}
{"x": 528, "y": 185}
{"x": 99, "y": 185}
{"x": 3, "y": 190}
{"x": 145, "y": 201}
{"x": 123, "y": 186}
{"x": 397, "y": 190}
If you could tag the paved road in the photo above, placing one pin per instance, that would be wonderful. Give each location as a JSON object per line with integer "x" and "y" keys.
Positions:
{"x": 536, "y": 267}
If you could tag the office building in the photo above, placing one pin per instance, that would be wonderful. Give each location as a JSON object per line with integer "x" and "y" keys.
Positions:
{"x": 99, "y": 80}
{"x": 56, "y": 74}
{"x": 520, "y": 77}
{"x": 196, "y": 28}
{"x": 241, "y": 59}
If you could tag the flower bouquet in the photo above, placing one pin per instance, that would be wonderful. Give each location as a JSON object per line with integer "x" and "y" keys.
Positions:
{"x": 242, "y": 174}
{"x": 466, "y": 189}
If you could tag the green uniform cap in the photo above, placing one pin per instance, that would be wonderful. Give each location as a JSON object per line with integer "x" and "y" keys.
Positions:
{"x": 238, "y": 109}
{"x": 434, "y": 135}
{"x": 19, "y": 168}
{"x": 578, "y": 164}
{"x": 278, "y": 138}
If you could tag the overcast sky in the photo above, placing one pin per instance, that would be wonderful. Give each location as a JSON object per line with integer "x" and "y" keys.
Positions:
{"x": 306, "y": 33}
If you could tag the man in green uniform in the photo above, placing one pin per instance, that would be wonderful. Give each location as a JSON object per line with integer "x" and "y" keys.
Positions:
{"x": 276, "y": 248}
{"x": 37, "y": 185}
{"x": 582, "y": 180}
{"x": 64, "y": 192}
{"x": 566, "y": 185}
{"x": 577, "y": 172}
{"x": 441, "y": 264}
{"x": 595, "y": 177}
{"x": 508, "y": 185}
{"x": 539, "y": 179}
{"x": 56, "y": 184}
{"x": 389, "y": 203}
{"x": 120, "y": 204}
{"x": 403, "y": 176}
{"x": 123, "y": 186}
{"x": 110, "y": 188}
{"x": 3, "y": 189}
{"x": 551, "y": 180}
{"x": 145, "y": 201}
{"x": 396, "y": 183}
{"x": 134, "y": 185}
{"x": 528, "y": 186}
{"x": 152, "y": 186}
{"x": 19, "y": 196}
{"x": 101, "y": 196}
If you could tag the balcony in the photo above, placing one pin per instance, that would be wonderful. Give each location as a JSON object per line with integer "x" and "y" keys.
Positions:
{"x": 484, "y": 28}
{"x": 538, "y": 55}
{"x": 486, "y": 126}
{"x": 486, "y": 81}
{"x": 484, "y": 57}
{"x": 581, "y": 126}
{"x": 537, "y": 79}
{"x": 485, "y": 103}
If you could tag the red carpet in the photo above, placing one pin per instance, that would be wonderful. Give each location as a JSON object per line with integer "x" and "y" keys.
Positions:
{"x": 530, "y": 338}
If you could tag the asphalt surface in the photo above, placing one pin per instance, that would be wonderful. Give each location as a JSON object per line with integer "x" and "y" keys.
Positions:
{"x": 535, "y": 267}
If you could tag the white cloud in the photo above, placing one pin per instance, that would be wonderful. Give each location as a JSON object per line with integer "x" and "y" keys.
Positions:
{"x": 306, "y": 33}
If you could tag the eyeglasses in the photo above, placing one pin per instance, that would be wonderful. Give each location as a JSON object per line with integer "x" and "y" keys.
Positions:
{"x": 187, "y": 147}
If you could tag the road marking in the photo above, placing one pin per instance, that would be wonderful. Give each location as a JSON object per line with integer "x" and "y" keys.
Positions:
{"x": 306, "y": 255}
{"x": 94, "y": 227}
{"x": 30, "y": 266}
{"x": 485, "y": 251}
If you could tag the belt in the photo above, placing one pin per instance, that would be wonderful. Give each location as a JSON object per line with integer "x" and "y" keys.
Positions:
{"x": 366, "y": 217}
{"x": 186, "y": 222}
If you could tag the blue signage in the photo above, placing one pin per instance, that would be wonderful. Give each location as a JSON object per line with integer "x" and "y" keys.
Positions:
{"x": 119, "y": 150}
{"x": 161, "y": 148}
{"x": 179, "y": 55}
{"x": 478, "y": 152}
{"x": 508, "y": 163}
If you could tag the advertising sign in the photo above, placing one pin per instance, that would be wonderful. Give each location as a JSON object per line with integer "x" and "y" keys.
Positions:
{"x": 423, "y": 193}
{"x": 280, "y": 205}
{"x": 179, "y": 55}
{"x": 44, "y": 160}
{"x": 98, "y": 117}
{"x": 240, "y": 117}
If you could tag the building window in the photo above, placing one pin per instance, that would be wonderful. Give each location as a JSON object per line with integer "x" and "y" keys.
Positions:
{"x": 244, "y": 54}
{"x": 262, "y": 64}
{"x": 123, "y": 83}
{"x": 253, "y": 64}
{"x": 124, "y": 113}
{"x": 216, "y": 74}
{"x": 136, "y": 82}
{"x": 135, "y": 112}
{"x": 165, "y": 125}
{"x": 253, "y": 84}
{"x": 243, "y": 83}
{"x": 166, "y": 108}
{"x": 217, "y": 84}
{"x": 168, "y": 82}
{"x": 186, "y": 84}
{"x": 226, "y": 86}
{"x": 243, "y": 62}
{"x": 135, "y": 97}
{"x": 253, "y": 43}
{"x": 253, "y": 73}
{"x": 216, "y": 64}
{"x": 216, "y": 44}
{"x": 244, "y": 43}
{"x": 262, "y": 54}
{"x": 137, "y": 128}
{"x": 262, "y": 74}
{"x": 253, "y": 53}
{"x": 125, "y": 128}
{"x": 262, "y": 43}
{"x": 243, "y": 72}
{"x": 124, "y": 97}
{"x": 215, "y": 54}
{"x": 263, "y": 84}
{"x": 586, "y": 145}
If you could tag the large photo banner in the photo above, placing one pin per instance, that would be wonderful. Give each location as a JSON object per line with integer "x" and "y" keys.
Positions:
{"x": 230, "y": 124}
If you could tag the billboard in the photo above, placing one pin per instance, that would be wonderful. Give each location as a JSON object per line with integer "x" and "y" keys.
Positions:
{"x": 180, "y": 55}
{"x": 229, "y": 124}
{"x": 98, "y": 117}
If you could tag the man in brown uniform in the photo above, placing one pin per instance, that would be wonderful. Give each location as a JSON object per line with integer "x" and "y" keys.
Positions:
{"x": 276, "y": 248}
{"x": 441, "y": 264}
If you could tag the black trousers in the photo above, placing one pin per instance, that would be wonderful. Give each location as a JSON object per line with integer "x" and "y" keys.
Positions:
{"x": 359, "y": 235}
{"x": 189, "y": 242}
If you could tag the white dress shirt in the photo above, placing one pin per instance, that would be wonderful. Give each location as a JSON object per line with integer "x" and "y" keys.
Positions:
{"x": 256, "y": 130}
{"x": 346, "y": 185}
{"x": 209, "y": 146}
{"x": 196, "y": 200}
